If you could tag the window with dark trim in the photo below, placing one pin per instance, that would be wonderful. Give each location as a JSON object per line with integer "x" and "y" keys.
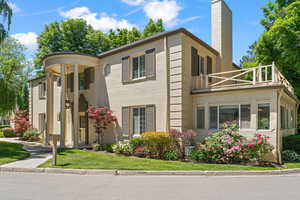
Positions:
{"x": 138, "y": 67}
{"x": 263, "y": 118}
{"x": 200, "y": 117}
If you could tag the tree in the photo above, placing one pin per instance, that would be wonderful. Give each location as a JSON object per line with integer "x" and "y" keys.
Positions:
{"x": 123, "y": 36}
{"x": 22, "y": 122}
{"x": 249, "y": 60}
{"x": 153, "y": 28}
{"x": 6, "y": 12}
{"x": 281, "y": 43}
{"x": 71, "y": 35}
{"x": 103, "y": 118}
{"x": 13, "y": 77}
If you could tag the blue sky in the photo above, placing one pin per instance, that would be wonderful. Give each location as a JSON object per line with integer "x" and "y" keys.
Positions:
{"x": 32, "y": 15}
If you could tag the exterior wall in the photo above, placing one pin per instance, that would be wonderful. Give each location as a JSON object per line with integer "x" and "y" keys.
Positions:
{"x": 36, "y": 105}
{"x": 187, "y": 79}
{"x": 110, "y": 91}
{"x": 252, "y": 97}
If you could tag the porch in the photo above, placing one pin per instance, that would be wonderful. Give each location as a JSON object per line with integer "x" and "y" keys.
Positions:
{"x": 70, "y": 81}
{"x": 257, "y": 77}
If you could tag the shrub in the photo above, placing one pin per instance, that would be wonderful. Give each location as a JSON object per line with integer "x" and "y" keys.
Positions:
{"x": 290, "y": 156}
{"x": 140, "y": 152}
{"x": 108, "y": 147}
{"x": 171, "y": 155}
{"x": 183, "y": 139}
{"x": 31, "y": 135}
{"x": 97, "y": 147}
{"x": 292, "y": 143}
{"x": 158, "y": 143}
{"x": 21, "y": 121}
{"x": 136, "y": 142}
{"x": 228, "y": 146}
{"x": 122, "y": 147}
{"x": 9, "y": 132}
{"x": 4, "y": 126}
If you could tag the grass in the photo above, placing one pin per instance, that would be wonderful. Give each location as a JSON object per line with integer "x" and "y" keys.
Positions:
{"x": 79, "y": 159}
{"x": 11, "y": 152}
{"x": 1, "y": 134}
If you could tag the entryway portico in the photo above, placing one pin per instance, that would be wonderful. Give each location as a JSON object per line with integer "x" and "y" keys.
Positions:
{"x": 67, "y": 103}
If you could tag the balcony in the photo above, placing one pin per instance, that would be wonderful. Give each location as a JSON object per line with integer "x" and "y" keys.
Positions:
{"x": 260, "y": 76}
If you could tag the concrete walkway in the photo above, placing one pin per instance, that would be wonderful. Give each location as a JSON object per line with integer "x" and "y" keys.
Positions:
{"x": 39, "y": 154}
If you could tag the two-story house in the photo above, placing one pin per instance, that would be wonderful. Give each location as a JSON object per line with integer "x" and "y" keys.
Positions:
{"x": 172, "y": 80}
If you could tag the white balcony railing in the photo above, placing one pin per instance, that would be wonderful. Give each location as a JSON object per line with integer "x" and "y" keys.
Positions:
{"x": 268, "y": 74}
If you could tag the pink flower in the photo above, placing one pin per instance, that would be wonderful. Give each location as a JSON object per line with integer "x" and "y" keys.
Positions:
{"x": 250, "y": 145}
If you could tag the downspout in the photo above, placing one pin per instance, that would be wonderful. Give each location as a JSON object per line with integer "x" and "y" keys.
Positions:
{"x": 278, "y": 138}
{"x": 167, "y": 84}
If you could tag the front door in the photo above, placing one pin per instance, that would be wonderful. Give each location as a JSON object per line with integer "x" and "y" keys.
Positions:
{"x": 84, "y": 128}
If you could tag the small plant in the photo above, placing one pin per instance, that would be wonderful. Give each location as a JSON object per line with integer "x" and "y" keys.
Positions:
{"x": 31, "y": 135}
{"x": 158, "y": 143}
{"x": 183, "y": 139}
{"x": 292, "y": 143}
{"x": 122, "y": 147}
{"x": 103, "y": 118}
{"x": 97, "y": 147}
{"x": 171, "y": 155}
{"x": 9, "y": 132}
{"x": 140, "y": 152}
{"x": 290, "y": 156}
{"x": 108, "y": 148}
{"x": 22, "y": 122}
{"x": 199, "y": 155}
{"x": 136, "y": 142}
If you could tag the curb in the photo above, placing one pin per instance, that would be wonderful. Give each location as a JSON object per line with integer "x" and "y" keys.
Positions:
{"x": 149, "y": 173}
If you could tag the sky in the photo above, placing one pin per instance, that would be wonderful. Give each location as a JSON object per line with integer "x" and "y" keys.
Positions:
{"x": 31, "y": 16}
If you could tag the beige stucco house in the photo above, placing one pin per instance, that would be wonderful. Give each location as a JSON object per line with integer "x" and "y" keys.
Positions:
{"x": 172, "y": 80}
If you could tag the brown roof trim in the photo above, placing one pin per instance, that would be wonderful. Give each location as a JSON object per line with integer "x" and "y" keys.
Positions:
{"x": 37, "y": 78}
{"x": 156, "y": 37}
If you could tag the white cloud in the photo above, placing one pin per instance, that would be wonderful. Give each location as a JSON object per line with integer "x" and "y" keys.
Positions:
{"x": 189, "y": 19}
{"x": 102, "y": 22}
{"x": 14, "y": 7}
{"x": 133, "y": 2}
{"x": 29, "y": 40}
{"x": 166, "y": 10}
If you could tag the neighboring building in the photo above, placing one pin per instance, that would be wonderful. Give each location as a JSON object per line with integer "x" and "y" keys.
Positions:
{"x": 172, "y": 80}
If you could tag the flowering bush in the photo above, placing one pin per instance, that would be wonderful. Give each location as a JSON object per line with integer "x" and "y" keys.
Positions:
{"x": 158, "y": 143}
{"x": 103, "y": 117}
{"x": 228, "y": 146}
{"x": 122, "y": 147}
{"x": 140, "y": 152}
{"x": 183, "y": 139}
{"x": 21, "y": 121}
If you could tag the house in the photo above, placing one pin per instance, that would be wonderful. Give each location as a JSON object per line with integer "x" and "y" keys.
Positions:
{"x": 172, "y": 80}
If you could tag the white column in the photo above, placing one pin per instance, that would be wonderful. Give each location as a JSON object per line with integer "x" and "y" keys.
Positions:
{"x": 62, "y": 106}
{"x": 75, "y": 106}
{"x": 49, "y": 107}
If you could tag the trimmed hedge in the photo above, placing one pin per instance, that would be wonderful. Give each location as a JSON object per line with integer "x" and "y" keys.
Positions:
{"x": 292, "y": 143}
{"x": 9, "y": 132}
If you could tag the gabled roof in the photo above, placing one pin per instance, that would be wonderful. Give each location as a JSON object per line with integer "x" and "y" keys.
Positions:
{"x": 156, "y": 37}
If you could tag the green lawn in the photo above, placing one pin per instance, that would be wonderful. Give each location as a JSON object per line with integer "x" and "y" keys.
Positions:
{"x": 10, "y": 152}
{"x": 79, "y": 159}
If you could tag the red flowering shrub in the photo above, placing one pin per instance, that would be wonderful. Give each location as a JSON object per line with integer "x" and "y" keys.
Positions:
{"x": 183, "y": 139}
{"x": 140, "y": 152}
{"x": 21, "y": 121}
{"x": 103, "y": 118}
{"x": 228, "y": 146}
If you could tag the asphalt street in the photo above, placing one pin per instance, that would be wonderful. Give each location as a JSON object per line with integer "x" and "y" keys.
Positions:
{"x": 27, "y": 186}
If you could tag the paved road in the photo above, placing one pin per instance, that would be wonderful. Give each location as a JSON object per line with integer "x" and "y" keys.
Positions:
{"x": 21, "y": 186}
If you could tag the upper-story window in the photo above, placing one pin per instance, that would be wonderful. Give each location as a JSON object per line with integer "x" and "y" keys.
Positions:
{"x": 138, "y": 67}
{"x": 42, "y": 90}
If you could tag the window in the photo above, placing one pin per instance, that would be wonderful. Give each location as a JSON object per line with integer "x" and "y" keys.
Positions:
{"x": 201, "y": 64}
{"x": 209, "y": 66}
{"x": 264, "y": 116}
{"x": 42, "y": 90}
{"x": 138, "y": 67}
{"x": 81, "y": 81}
{"x": 292, "y": 119}
{"x": 282, "y": 117}
{"x": 245, "y": 116}
{"x": 228, "y": 113}
{"x": 213, "y": 117}
{"x": 107, "y": 70}
{"x": 139, "y": 122}
{"x": 200, "y": 118}
{"x": 42, "y": 122}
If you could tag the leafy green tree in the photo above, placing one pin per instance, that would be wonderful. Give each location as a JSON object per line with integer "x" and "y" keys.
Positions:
{"x": 71, "y": 35}
{"x": 6, "y": 13}
{"x": 123, "y": 36}
{"x": 249, "y": 60}
{"x": 153, "y": 28}
{"x": 281, "y": 43}
{"x": 13, "y": 77}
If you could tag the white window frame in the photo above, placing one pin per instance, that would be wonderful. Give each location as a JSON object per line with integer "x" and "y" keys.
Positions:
{"x": 132, "y": 120}
{"x": 139, "y": 67}
{"x": 257, "y": 111}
